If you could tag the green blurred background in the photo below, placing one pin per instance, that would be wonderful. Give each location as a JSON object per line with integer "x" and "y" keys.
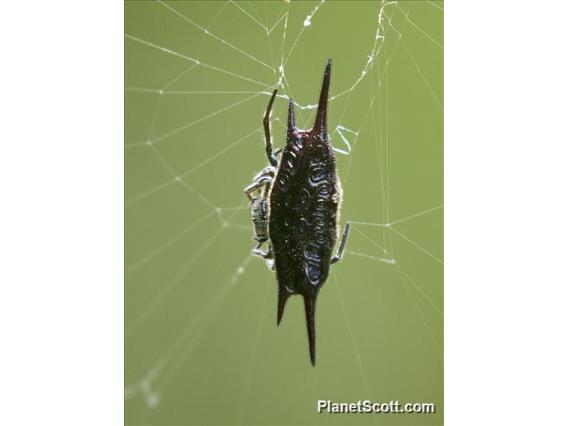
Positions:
{"x": 201, "y": 342}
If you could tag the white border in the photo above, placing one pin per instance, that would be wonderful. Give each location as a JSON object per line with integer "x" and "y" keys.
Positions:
{"x": 506, "y": 162}
{"x": 61, "y": 172}
{"x": 61, "y": 213}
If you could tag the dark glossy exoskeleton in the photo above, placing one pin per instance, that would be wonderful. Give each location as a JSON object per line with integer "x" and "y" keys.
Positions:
{"x": 298, "y": 202}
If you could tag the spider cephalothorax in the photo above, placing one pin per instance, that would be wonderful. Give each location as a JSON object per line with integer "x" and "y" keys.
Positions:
{"x": 297, "y": 208}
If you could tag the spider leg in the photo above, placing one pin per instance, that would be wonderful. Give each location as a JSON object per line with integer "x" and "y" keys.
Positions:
{"x": 264, "y": 177}
{"x": 268, "y": 255}
{"x": 256, "y": 185}
{"x": 267, "y": 171}
{"x": 266, "y": 122}
{"x": 270, "y": 265}
{"x": 339, "y": 254}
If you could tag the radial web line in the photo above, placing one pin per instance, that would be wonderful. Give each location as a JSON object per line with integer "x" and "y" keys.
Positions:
{"x": 154, "y": 116}
{"x": 384, "y": 226}
{"x": 423, "y": 76}
{"x": 171, "y": 82}
{"x": 253, "y": 355}
{"x": 411, "y": 22}
{"x": 428, "y": 86}
{"x": 206, "y": 117}
{"x": 437, "y": 6}
{"x": 250, "y": 3}
{"x": 383, "y": 249}
{"x": 270, "y": 49}
{"x": 205, "y": 315}
{"x": 209, "y": 33}
{"x": 417, "y": 307}
{"x": 139, "y": 197}
{"x": 307, "y": 23}
{"x": 387, "y": 121}
{"x": 184, "y": 232}
{"x": 172, "y": 284}
{"x": 158, "y": 103}
{"x": 190, "y": 334}
{"x": 418, "y": 310}
{"x": 404, "y": 219}
{"x": 179, "y": 179}
{"x": 276, "y": 23}
{"x": 194, "y": 92}
{"x": 379, "y": 147}
{"x": 163, "y": 90}
{"x": 352, "y": 337}
{"x": 386, "y": 131}
{"x": 416, "y": 245}
{"x": 373, "y": 55}
{"x": 249, "y": 15}
{"x": 211, "y": 308}
{"x": 424, "y": 295}
{"x": 386, "y": 260}
{"x": 195, "y": 61}
{"x": 370, "y": 62}
{"x": 221, "y": 152}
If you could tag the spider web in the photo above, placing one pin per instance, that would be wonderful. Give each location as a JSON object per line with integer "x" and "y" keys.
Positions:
{"x": 201, "y": 344}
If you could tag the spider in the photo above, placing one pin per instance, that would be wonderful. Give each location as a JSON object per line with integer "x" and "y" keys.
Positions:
{"x": 295, "y": 203}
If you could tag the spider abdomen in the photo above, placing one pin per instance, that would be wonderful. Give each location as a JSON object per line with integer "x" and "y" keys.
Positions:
{"x": 304, "y": 206}
{"x": 298, "y": 208}
{"x": 305, "y": 199}
{"x": 259, "y": 216}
